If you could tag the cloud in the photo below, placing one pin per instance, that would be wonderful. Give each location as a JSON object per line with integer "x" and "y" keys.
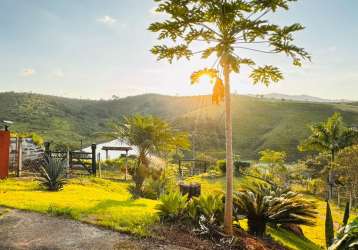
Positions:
{"x": 28, "y": 72}
{"x": 58, "y": 73}
{"x": 107, "y": 20}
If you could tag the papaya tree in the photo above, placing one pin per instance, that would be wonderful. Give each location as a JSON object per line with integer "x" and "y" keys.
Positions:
{"x": 225, "y": 29}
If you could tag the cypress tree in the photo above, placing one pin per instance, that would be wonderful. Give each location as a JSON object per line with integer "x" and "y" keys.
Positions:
{"x": 329, "y": 231}
{"x": 346, "y": 214}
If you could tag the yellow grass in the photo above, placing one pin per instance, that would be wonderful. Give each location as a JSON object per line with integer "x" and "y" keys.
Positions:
{"x": 90, "y": 200}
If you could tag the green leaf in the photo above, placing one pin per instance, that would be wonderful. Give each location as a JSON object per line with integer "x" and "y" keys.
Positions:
{"x": 266, "y": 75}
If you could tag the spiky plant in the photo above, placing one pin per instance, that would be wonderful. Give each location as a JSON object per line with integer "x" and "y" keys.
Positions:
{"x": 328, "y": 226}
{"x": 264, "y": 205}
{"x": 52, "y": 172}
{"x": 347, "y": 237}
{"x": 346, "y": 214}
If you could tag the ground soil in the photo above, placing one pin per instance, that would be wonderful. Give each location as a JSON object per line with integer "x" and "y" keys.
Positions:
{"x": 20, "y": 230}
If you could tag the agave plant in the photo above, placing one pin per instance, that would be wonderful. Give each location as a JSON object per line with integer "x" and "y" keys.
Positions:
{"x": 264, "y": 205}
{"x": 347, "y": 237}
{"x": 53, "y": 173}
{"x": 172, "y": 206}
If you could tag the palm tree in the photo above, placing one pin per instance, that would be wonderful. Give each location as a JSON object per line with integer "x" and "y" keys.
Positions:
{"x": 329, "y": 137}
{"x": 150, "y": 135}
{"x": 225, "y": 29}
{"x": 264, "y": 205}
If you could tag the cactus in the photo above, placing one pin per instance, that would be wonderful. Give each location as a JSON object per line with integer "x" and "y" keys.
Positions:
{"x": 329, "y": 230}
{"x": 346, "y": 214}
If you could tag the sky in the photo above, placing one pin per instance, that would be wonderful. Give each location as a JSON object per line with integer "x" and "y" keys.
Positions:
{"x": 99, "y": 48}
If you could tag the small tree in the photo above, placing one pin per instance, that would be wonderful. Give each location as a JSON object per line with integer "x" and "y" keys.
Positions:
{"x": 276, "y": 161}
{"x": 150, "y": 135}
{"x": 329, "y": 136}
{"x": 346, "y": 214}
{"x": 226, "y": 28}
{"x": 329, "y": 229}
{"x": 346, "y": 168}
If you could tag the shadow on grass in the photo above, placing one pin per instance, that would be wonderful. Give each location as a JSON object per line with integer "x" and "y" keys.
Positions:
{"x": 105, "y": 204}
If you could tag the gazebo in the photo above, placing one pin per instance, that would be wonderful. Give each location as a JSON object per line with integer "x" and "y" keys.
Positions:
{"x": 120, "y": 149}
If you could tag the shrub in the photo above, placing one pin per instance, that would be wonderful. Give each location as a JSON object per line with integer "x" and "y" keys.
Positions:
{"x": 159, "y": 183}
{"x": 206, "y": 213}
{"x": 52, "y": 172}
{"x": 153, "y": 188}
{"x": 221, "y": 164}
{"x": 329, "y": 230}
{"x": 347, "y": 237}
{"x": 210, "y": 206}
{"x": 264, "y": 205}
{"x": 172, "y": 206}
{"x": 238, "y": 166}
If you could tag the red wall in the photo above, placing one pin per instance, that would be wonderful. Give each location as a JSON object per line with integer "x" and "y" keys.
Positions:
{"x": 4, "y": 153}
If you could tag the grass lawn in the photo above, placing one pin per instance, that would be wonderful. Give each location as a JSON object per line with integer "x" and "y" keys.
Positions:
{"x": 90, "y": 200}
{"x": 315, "y": 234}
{"x": 108, "y": 203}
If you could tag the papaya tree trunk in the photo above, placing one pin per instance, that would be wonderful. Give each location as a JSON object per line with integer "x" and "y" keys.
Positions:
{"x": 229, "y": 156}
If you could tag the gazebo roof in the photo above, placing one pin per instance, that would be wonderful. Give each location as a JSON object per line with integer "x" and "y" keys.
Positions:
{"x": 116, "y": 148}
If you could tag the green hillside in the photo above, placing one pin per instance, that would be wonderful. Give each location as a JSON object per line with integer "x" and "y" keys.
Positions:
{"x": 258, "y": 123}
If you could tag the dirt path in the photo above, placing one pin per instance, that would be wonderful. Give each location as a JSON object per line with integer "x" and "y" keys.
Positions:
{"x": 27, "y": 230}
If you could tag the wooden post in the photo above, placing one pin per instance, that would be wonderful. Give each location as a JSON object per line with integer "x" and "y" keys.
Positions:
{"x": 107, "y": 156}
{"x": 126, "y": 166}
{"x": 47, "y": 148}
{"x": 338, "y": 197}
{"x": 19, "y": 157}
{"x": 179, "y": 163}
{"x": 68, "y": 163}
{"x": 99, "y": 164}
{"x": 94, "y": 167}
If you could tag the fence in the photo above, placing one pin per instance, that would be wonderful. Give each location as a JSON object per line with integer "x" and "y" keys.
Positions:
{"x": 22, "y": 152}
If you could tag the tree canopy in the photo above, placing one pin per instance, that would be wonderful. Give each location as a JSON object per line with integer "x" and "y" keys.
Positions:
{"x": 224, "y": 27}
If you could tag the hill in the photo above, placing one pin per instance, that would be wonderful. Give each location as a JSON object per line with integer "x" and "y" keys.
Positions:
{"x": 257, "y": 123}
{"x": 303, "y": 98}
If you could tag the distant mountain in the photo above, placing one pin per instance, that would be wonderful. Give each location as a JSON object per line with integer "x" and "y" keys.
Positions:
{"x": 258, "y": 123}
{"x": 304, "y": 98}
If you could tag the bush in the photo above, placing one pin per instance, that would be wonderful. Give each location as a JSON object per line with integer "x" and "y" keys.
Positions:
{"x": 221, "y": 164}
{"x": 210, "y": 206}
{"x": 206, "y": 213}
{"x": 160, "y": 182}
{"x": 238, "y": 166}
{"x": 52, "y": 172}
{"x": 172, "y": 207}
{"x": 264, "y": 205}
